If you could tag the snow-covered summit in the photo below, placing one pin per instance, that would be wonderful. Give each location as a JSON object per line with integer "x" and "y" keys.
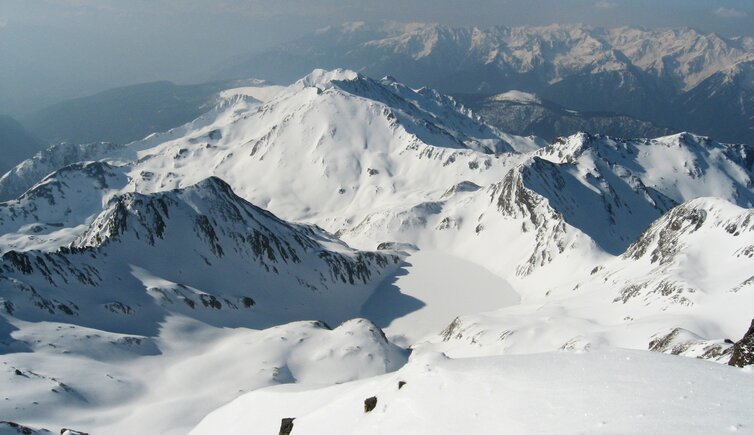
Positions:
{"x": 27, "y": 173}
{"x": 681, "y": 166}
{"x": 54, "y": 211}
{"x": 323, "y": 78}
{"x": 199, "y": 251}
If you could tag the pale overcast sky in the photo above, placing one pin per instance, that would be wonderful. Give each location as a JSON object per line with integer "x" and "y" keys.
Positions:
{"x": 55, "y": 49}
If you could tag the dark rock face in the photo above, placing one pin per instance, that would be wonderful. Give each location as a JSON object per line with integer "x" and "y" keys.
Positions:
{"x": 370, "y": 403}
{"x": 663, "y": 343}
{"x": 549, "y": 120}
{"x": 11, "y": 426}
{"x": 401, "y": 384}
{"x": 286, "y": 426}
{"x": 678, "y": 222}
{"x": 743, "y": 350}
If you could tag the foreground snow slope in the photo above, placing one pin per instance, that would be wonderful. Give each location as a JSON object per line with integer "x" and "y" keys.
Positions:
{"x": 615, "y": 391}
{"x": 107, "y": 383}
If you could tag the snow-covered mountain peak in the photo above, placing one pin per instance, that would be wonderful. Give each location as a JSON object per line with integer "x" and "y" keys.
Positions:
{"x": 376, "y": 161}
{"x": 697, "y": 55}
{"x": 681, "y": 167}
{"x": 324, "y": 78}
{"x": 54, "y": 211}
{"x": 665, "y": 237}
{"x": 211, "y": 208}
{"x": 201, "y": 245}
{"x": 351, "y": 145}
{"x": 27, "y": 173}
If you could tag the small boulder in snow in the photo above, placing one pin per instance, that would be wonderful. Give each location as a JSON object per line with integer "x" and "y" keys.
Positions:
{"x": 370, "y": 403}
{"x": 286, "y": 426}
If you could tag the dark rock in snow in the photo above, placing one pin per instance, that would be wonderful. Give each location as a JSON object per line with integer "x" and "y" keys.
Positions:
{"x": 397, "y": 246}
{"x": 13, "y": 427}
{"x": 743, "y": 350}
{"x": 286, "y": 426}
{"x": 370, "y": 403}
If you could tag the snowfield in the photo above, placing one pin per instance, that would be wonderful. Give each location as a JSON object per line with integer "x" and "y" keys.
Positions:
{"x": 105, "y": 383}
{"x": 321, "y": 235}
{"x": 432, "y": 289}
{"x": 615, "y": 391}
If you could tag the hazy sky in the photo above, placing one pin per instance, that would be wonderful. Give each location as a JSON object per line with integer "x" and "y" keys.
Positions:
{"x": 56, "y": 49}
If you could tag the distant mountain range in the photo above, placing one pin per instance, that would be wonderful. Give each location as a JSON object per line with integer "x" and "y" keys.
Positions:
{"x": 676, "y": 78}
{"x": 626, "y": 82}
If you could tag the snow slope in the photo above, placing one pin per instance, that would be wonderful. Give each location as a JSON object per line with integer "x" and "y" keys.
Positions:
{"x": 99, "y": 382}
{"x": 30, "y": 171}
{"x": 199, "y": 251}
{"x": 56, "y": 209}
{"x": 578, "y": 198}
{"x": 517, "y": 97}
{"x": 110, "y": 332}
{"x": 683, "y": 287}
{"x": 614, "y": 391}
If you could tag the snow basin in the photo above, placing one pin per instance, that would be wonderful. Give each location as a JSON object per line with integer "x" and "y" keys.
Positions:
{"x": 429, "y": 291}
